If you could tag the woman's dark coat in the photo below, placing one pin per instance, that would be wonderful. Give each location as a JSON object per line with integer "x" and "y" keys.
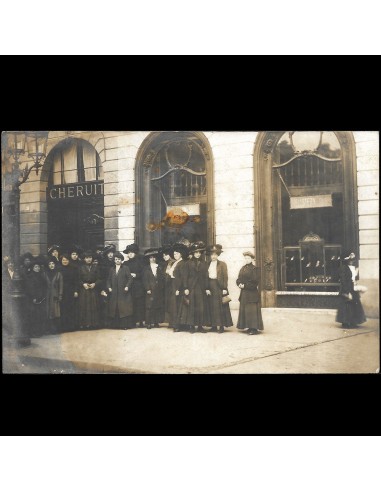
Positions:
{"x": 196, "y": 281}
{"x": 155, "y": 300}
{"x": 350, "y": 312}
{"x": 69, "y": 302}
{"x": 88, "y": 299}
{"x": 178, "y": 283}
{"x": 119, "y": 300}
{"x": 54, "y": 293}
{"x": 36, "y": 290}
{"x": 250, "y": 315}
{"x": 219, "y": 314}
{"x": 136, "y": 265}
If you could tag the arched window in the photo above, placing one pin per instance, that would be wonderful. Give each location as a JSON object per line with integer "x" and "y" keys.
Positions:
{"x": 74, "y": 161}
{"x": 174, "y": 189}
{"x": 306, "y": 214}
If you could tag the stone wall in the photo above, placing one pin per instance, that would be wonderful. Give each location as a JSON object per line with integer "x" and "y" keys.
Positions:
{"x": 367, "y": 151}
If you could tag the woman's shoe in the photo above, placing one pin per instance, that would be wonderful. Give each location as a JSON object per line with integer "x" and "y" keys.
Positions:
{"x": 200, "y": 329}
{"x": 214, "y": 329}
{"x": 252, "y": 332}
{"x": 221, "y": 329}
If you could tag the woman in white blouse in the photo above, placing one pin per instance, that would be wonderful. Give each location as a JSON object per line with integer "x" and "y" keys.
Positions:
{"x": 217, "y": 283}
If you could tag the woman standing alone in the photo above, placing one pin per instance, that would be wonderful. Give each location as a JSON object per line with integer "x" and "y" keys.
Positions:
{"x": 250, "y": 315}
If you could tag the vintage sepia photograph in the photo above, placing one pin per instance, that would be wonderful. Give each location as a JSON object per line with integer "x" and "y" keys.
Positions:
{"x": 190, "y": 252}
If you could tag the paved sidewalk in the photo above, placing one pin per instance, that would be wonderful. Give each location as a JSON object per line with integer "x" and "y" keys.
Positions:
{"x": 294, "y": 341}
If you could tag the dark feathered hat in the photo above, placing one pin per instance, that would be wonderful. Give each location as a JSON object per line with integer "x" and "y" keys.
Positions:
{"x": 26, "y": 255}
{"x": 152, "y": 252}
{"x": 132, "y": 248}
{"x": 40, "y": 260}
{"x": 76, "y": 248}
{"x": 118, "y": 254}
{"x": 167, "y": 249}
{"x": 54, "y": 247}
{"x": 198, "y": 246}
{"x": 108, "y": 248}
{"x": 180, "y": 248}
{"x": 65, "y": 255}
{"x": 87, "y": 254}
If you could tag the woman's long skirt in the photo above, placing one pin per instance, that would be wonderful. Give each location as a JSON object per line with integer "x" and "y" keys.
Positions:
{"x": 173, "y": 304}
{"x": 88, "y": 308}
{"x": 351, "y": 312}
{"x": 219, "y": 313}
{"x": 250, "y": 316}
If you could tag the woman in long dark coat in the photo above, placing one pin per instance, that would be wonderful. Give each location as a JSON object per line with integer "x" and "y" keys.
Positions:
{"x": 70, "y": 294}
{"x": 177, "y": 285}
{"x": 250, "y": 315}
{"x": 89, "y": 281}
{"x": 153, "y": 281}
{"x": 196, "y": 284}
{"x": 136, "y": 265}
{"x": 36, "y": 290}
{"x": 106, "y": 263}
{"x": 54, "y": 295}
{"x": 76, "y": 264}
{"x": 350, "y": 312}
{"x": 217, "y": 288}
{"x": 118, "y": 286}
{"x": 167, "y": 252}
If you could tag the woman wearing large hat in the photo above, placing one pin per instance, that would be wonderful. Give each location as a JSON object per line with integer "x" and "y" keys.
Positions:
{"x": 35, "y": 288}
{"x": 217, "y": 288}
{"x": 54, "y": 295}
{"x": 136, "y": 266}
{"x": 250, "y": 315}
{"x": 106, "y": 264}
{"x": 118, "y": 288}
{"x": 195, "y": 314}
{"x": 177, "y": 285}
{"x": 89, "y": 281}
{"x": 167, "y": 253}
{"x": 69, "y": 302}
{"x": 153, "y": 281}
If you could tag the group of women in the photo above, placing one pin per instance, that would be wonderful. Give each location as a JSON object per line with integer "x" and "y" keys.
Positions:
{"x": 183, "y": 285}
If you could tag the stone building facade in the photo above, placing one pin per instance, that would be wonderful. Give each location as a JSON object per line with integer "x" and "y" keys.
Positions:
{"x": 243, "y": 190}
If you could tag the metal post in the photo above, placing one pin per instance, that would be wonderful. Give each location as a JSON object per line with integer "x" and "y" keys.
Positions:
{"x": 19, "y": 336}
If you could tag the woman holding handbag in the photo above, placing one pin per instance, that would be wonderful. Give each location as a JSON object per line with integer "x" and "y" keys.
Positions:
{"x": 217, "y": 291}
{"x": 250, "y": 315}
{"x": 350, "y": 312}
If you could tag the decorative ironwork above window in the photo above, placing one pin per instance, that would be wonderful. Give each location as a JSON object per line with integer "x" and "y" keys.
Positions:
{"x": 178, "y": 168}
{"x": 308, "y": 159}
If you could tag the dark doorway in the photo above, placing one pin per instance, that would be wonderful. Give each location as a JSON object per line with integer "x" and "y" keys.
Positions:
{"x": 75, "y": 195}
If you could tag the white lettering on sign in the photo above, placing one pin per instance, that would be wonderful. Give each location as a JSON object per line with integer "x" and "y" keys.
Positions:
{"x": 315, "y": 201}
{"x": 74, "y": 191}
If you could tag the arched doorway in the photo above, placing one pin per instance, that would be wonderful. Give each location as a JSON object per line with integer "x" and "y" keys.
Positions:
{"x": 174, "y": 189}
{"x": 306, "y": 214}
{"x": 75, "y": 196}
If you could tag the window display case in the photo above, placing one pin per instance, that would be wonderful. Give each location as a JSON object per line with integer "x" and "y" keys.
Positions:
{"x": 312, "y": 265}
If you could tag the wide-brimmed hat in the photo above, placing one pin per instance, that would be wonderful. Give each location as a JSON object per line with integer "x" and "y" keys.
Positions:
{"x": 87, "y": 254}
{"x": 40, "y": 260}
{"x": 152, "y": 252}
{"x": 65, "y": 255}
{"x": 119, "y": 255}
{"x": 76, "y": 248}
{"x": 249, "y": 253}
{"x": 132, "y": 248}
{"x": 181, "y": 248}
{"x": 167, "y": 249}
{"x": 26, "y": 255}
{"x": 54, "y": 247}
{"x": 108, "y": 248}
{"x": 215, "y": 248}
{"x": 99, "y": 247}
{"x": 198, "y": 246}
